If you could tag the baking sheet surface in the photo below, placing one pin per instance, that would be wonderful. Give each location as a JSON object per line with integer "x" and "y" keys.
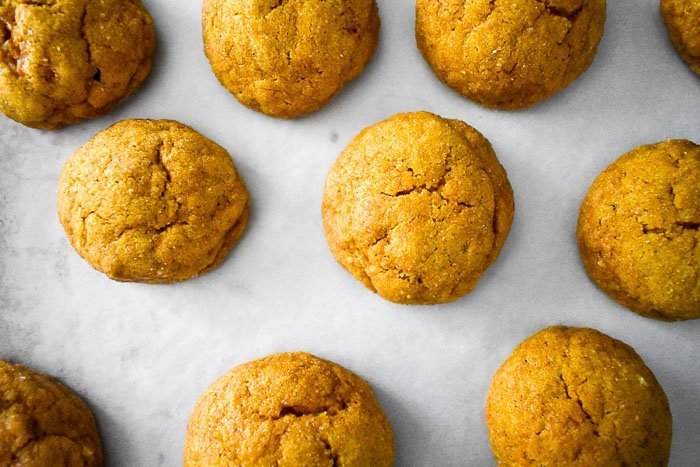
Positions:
{"x": 141, "y": 354}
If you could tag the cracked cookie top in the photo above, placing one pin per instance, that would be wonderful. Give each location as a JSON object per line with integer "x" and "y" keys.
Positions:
{"x": 62, "y": 61}
{"x": 287, "y": 58}
{"x": 639, "y": 230}
{"x": 509, "y": 54}
{"x": 417, "y": 207}
{"x": 571, "y": 396}
{"x": 152, "y": 201}
{"x": 42, "y": 423}
{"x": 682, "y": 18}
{"x": 289, "y": 409}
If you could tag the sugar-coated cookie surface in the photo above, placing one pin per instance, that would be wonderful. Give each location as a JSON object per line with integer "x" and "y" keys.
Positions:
{"x": 287, "y": 58}
{"x": 509, "y": 54}
{"x": 571, "y": 396}
{"x": 152, "y": 201}
{"x": 682, "y": 18}
{"x": 639, "y": 230}
{"x": 62, "y": 61}
{"x": 43, "y": 423}
{"x": 417, "y": 207}
{"x": 289, "y": 409}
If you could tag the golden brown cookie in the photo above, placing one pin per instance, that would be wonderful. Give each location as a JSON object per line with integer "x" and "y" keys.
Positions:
{"x": 287, "y": 58}
{"x": 509, "y": 54}
{"x": 62, "y": 61}
{"x": 42, "y": 423}
{"x": 576, "y": 397}
{"x": 638, "y": 230}
{"x": 152, "y": 201}
{"x": 682, "y": 18}
{"x": 417, "y": 207}
{"x": 289, "y": 409}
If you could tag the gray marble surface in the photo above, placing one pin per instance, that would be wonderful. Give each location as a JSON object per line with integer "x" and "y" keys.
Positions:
{"x": 141, "y": 355}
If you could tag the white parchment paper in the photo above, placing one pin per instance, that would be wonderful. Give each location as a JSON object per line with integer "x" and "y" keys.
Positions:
{"x": 141, "y": 354}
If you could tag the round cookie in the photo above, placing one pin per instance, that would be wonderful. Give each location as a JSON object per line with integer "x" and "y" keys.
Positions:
{"x": 571, "y": 396}
{"x": 42, "y": 423}
{"x": 509, "y": 54}
{"x": 287, "y": 58}
{"x": 62, "y": 61}
{"x": 289, "y": 409}
{"x": 638, "y": 230}
{"x": 152, "y": 201}
{"x": 682, "y": 18}
{"x": 417, "y": 207}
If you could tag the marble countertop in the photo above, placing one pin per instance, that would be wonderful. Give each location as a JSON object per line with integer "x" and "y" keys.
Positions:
{"x": 142, "y": 354}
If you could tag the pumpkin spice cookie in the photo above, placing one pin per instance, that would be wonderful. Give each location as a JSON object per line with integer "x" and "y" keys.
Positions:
{"x": 152, "y": 201}
{"x": 682, "y": 18}
{"x": 289, "y": 409}
{"x": 570, "y": 396}
{"x": 62, "y": 61}
{"x": 42, "y": 423}
{"x": 287, "y": 58}
{"x": 639, "y": 230}
{"x": 417, "y": 207}
{"x": 509, "y": 54}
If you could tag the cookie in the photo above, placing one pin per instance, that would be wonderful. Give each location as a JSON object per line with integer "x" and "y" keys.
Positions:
{"x": 417, "y": 207}
{"x": 638, "y": 230}
{"x": 42, "y": 423}
{"x": 289, "y": 409}
{"x": 152, "y": 201}
{"x": 571, "y": 396}
{"x": 63, "y": 61}
{"x": 509, "y": 54}
{"x": 682, "y": 18}
{"x": 287, "y": 58}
